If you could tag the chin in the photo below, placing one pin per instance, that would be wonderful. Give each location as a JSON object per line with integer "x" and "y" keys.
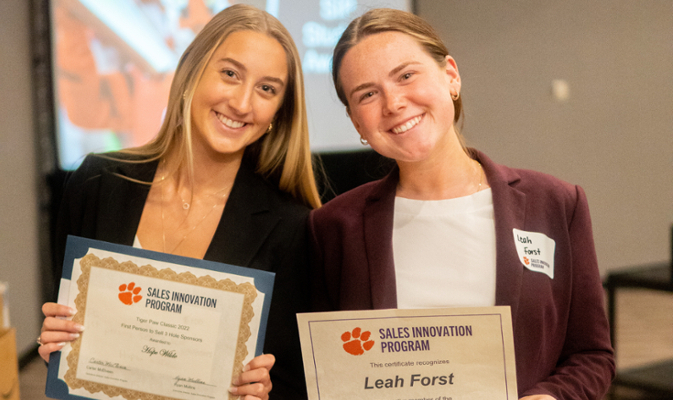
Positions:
{"x": 411, "y": 156}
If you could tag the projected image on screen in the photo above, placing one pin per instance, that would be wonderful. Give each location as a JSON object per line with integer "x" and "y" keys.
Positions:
{"x": 114, "y": 62}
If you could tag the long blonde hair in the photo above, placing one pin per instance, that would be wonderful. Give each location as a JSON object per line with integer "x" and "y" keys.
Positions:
{"x": 283, "y": 155}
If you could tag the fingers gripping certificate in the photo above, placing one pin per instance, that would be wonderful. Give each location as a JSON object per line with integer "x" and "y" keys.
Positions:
{"x": 435, "y": 354}
{"x": 157, "y": 326}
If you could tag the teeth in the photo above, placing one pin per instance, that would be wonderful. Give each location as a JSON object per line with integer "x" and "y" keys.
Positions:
{"x": 410, "y": 124}
{"x": 228, "y": 122}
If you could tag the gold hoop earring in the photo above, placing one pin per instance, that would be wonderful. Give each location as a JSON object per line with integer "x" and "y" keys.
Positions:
{"x": 455, "y": 96}
{"x": 269, "y": 128}
{"x": 363, "y": 141}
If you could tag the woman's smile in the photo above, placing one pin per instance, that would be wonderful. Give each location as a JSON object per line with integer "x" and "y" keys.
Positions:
{"x": 229, "y": 122}
{"x": 401, "y": 128}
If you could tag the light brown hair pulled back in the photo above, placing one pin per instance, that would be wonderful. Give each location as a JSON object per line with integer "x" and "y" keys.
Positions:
{"x": 385, "y": 20}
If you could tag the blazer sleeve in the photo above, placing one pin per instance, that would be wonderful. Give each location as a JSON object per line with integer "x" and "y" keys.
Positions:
{"x": 318, "y": 285}
{"x": 586, "y": 365}
{"x": 75, "y": 212}
{"x": 290, "y": 296}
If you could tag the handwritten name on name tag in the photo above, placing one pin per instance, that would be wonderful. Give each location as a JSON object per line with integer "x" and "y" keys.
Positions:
{"x": 536, "y": 251}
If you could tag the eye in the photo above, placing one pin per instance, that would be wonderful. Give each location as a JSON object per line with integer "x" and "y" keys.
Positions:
{"x": 406, "y": 76}
{"x": 367, "y": 95}
{"x": 229, "y": 73}
{"x": 268, "y": 89}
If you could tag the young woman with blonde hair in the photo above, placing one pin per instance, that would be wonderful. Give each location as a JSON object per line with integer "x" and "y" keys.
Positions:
{"x": 228, "y": 178}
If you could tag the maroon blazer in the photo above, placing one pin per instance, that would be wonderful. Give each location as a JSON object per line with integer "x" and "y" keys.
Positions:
{"x": 561, "y": 333}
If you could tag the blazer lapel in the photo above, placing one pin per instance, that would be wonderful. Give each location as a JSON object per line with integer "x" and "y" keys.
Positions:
{"x": 509, "y": 205}
{"x": 123, "y": 200}
{"x": 378, "y": 233}
{"x": 246, "y": 222}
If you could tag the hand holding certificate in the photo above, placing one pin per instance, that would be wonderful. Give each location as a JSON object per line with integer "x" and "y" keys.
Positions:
{"x": 156, "y": 325}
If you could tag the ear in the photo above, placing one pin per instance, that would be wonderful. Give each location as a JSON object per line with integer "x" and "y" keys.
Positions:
{"x": 451, "y": 70}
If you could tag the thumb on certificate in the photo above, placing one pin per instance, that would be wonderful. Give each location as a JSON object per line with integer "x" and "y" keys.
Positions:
{"x": 57, "y": 310}
{"x": 264, "y": 361}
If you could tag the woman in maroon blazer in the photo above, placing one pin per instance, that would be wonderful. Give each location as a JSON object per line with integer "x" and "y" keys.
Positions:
{"x": 449, "y": 227}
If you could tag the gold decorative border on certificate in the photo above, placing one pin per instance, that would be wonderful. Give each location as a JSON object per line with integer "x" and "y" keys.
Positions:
{"x": 206, "y": 281}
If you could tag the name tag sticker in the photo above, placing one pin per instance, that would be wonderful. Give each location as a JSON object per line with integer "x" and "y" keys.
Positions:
{"x": 536, "y": 251}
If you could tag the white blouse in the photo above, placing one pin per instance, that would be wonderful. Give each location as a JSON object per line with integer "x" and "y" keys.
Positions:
{"x": 444, "y": 251}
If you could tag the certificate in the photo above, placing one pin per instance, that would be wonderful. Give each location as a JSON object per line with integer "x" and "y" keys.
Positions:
{"x": 434, "y": 354}
{"x": 158, "y": 326}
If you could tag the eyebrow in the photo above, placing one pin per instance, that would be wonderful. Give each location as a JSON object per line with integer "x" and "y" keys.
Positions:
{"x": 242, "y": 67}
{"x": 392, "y": 73}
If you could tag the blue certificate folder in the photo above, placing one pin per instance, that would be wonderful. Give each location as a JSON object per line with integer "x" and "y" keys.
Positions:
{"x": 77, "y": 247}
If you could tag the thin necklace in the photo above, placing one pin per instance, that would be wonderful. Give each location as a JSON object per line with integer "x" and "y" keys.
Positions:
{"x": 186, "y": 204}
{"x": 163, "y": 229}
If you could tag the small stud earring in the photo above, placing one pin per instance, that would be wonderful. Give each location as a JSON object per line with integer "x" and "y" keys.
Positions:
{"x": 363, "y": 141}
{"x": 269, "y": 128}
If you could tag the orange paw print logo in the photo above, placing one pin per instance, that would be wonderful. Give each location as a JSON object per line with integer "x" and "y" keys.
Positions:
{"x": 357, "y": 342}
{"x": 526, "y": 260}
{"x": 129, "y": 293}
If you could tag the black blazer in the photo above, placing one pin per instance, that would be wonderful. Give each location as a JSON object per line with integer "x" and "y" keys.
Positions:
{"x": 261, "y": 227}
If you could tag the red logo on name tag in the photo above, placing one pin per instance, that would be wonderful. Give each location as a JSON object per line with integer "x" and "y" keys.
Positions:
{"x": 129, "y": 293}
{"x": 357, "y": 342}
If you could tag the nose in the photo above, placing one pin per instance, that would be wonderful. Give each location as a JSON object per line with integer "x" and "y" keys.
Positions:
{"x": 241, "y": 99}
{"x": 394, "y": 102}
